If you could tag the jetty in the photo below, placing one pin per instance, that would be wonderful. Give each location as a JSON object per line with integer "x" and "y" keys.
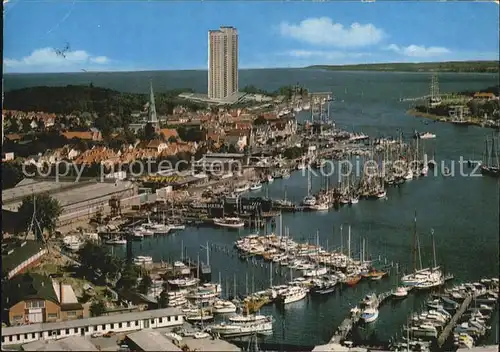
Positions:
{"x": 348, "y": 323}
{"x": 345, "y": 327}
{"x": 449, "y": 327}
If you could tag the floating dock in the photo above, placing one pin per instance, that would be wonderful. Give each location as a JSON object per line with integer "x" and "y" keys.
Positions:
{"x": 449, "y": 327}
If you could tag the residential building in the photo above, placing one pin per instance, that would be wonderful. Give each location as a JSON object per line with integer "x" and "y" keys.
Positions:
{"x": 150, "y": 319}
{"x": 222, "y": 63}
{"x": 33, "y": 298}
{"x": 18, "y": 256}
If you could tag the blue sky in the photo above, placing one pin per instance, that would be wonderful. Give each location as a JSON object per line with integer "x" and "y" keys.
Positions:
{"x": 172, "y": 35}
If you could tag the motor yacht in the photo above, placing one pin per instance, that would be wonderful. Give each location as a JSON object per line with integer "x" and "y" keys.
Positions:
{"x": 223, "y": 307}
{"x": 293, "y": 294}
{"x": 249, "y": 318}
{"x": 256, "y": 186}
{"x": 73, "y": 243}
{"x": 143, "y": 260}
{"x": 201, "y": 315}
{"x": 309, "y": 201}
{"x": 247, "y": 329}
{"x": 234, "y": 222}
{"x": 369, "y": 315}
{"x": 184, "y": 282}
{"x": 116, "y": 241}
{"x": 399, "y": 293}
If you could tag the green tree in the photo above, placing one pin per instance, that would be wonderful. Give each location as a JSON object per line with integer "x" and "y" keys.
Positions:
{"x": 172, "y": 139}
{"x": 97, "y": 308}
{"x": 129, "y": 276}
{"x": 11, "y": 174}
{"x": 145, "y": 283}
{"x": 163, "y": 298}
{"x": 47, "y": 210}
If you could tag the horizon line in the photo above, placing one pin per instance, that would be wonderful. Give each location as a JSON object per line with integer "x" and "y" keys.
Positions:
{"x": 268, "y": 68}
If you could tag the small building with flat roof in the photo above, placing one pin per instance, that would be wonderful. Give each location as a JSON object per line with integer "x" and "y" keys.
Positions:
{"x": 150, "y": 340}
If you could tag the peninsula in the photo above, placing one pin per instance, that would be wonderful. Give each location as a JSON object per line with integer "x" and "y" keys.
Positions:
{"x": 449, "y": 66}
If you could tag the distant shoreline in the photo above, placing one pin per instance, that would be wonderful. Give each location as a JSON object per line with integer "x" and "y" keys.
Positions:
{"x": 424, "y": 67}
{"x": 445, "y": 119}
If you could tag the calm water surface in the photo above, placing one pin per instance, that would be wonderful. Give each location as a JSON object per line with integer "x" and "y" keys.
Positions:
{"x": 463, "y": 211}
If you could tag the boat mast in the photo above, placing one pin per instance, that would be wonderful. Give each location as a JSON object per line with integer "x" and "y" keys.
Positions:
{"x": 271, "y": 274}
{"x": 349, "y": 243}
{"x": 415, "y": 242}
{"x": 433, "y": 248}
{"x": 341, "y": 240}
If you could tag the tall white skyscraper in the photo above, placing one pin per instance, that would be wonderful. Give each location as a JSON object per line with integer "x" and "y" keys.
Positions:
{"x": 222, "y": 62}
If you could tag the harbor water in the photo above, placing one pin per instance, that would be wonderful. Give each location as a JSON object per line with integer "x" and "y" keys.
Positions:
{"x": 463, "y": 211}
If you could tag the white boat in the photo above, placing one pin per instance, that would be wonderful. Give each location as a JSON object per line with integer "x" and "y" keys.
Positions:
{"x": 381, "y": 194}
{"x": 315, "y": 272}
{"x": 143, "y": 260}
{"x": 176, "y": 294}
{"x": 223, "y": 307}
{"x": 309, "y": 201}
{"x": 256, "y": 186}
{"x": 399, "y": 293}
{"x": 73, "y": 243}
{"x": 301, "y": 166}
{"x": 176, "y": 227}
{"x": 177, "y": 302}
{"x": 306, "y": 106}
{"x": 409, "y": 175}
{"x": 184, "y": 282}
{"x": 293, "y": 294}
{"x": 427, "y": 135}
{"x": 234, "y": 223}
{"x": 369, "y": 315}
{"x": 319, "y": 206}
{"x": 247, "y": 318}
{"x": 200, "y": 316}
{"x": 353, "y": 200}
{"x": 242, "y": 188}
{"x": 269, "y": 179}
{"x": 424, "y": 170}
{"x": 430, "y": 283}
{"x": 233, "y": 330}
{"x": 116, "y": 241}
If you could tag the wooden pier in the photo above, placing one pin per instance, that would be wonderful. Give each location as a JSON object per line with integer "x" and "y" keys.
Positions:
{"x": 449, "y": 327}
{"x": 345, "y": 327}
{"x": 348, "y": 323}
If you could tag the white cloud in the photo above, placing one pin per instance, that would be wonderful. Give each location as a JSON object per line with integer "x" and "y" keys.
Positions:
{"x": 323, "y": 31}
{"x": 324, "y": 54}
{"x": 418, "y": 50}
{"x": 48, "y": 58}
{"x": 99, "y": 59}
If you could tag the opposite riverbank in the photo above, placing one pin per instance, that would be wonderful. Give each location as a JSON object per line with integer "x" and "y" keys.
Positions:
{"x": 471, "y": 121}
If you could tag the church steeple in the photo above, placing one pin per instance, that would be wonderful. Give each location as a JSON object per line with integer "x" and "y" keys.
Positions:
{"x": 152, "y": 118}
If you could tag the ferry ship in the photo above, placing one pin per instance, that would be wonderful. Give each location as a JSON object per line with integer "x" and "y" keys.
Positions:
{"x": 234, "y": 223}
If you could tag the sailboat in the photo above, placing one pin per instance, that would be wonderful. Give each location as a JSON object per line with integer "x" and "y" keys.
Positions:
{"x": 436, "y": 277}
{"x": 419, "y": 275}
{"x": 491, "y": 165}
{"x": 309, "y": 200}
{"x": 401, "y": 291}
